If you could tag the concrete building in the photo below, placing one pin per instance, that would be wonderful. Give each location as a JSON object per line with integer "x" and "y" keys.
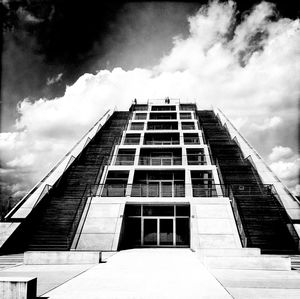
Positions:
{"x": 163, "y": 174}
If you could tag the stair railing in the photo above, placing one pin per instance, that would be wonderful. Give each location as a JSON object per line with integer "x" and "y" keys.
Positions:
{"x": 77, "y": 214}
{"x": 54, "y": 169}
{"x": 286, "y": 217}
{"x": 237, "y": 218}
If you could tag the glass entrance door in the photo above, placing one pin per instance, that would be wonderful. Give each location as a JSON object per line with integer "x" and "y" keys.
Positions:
{"x": 158, "y": 231}
{"x": 150, "y": 231}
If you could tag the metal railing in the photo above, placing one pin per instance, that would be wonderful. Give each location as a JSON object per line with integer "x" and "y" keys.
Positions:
{"x": 237, "y": 218}
{"x": 156, "y": 161}
{"x": 157, "y": 189}
{"x": 69, "y": 155}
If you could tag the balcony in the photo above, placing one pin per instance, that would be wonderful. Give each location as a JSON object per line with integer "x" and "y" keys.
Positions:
{"x": 158, "y": 189}
{"x": 132, "y": 139}
{"x": 162, "y": 126}
{"x": 165, "y": 115}
{"x": 125, "y": 157}
{"x": 156, "y": 161}
{"x": 161, "y": 139}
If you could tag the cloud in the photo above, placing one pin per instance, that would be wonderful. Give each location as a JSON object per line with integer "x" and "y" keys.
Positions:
{"x": 280, "y": 152}
{"x": 247, "y": 69}
{"x": 288, "y": 172}
{"x": 55, "y": 79}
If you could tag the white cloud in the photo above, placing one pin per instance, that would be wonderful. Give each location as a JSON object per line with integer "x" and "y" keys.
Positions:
{"x": 252, "y": 77}
{"x": 287, "y": 171}
{"x": 280, "y": 152}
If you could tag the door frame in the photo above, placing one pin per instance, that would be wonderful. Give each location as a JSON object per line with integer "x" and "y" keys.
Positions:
{"x": 158, "y": 219}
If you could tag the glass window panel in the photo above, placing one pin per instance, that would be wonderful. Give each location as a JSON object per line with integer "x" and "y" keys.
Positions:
{"x": 182, "y": 210}
{"x": 133, "y": 210}
{"x": 158, "y": 211}
{"x": 182, "y": 231}
{"x": 166, "y": 232}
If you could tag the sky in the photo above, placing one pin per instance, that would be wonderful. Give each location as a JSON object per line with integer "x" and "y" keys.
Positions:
{"x": 65, "y": 63}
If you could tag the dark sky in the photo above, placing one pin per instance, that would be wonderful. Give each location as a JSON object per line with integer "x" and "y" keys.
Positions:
{"x": 45, "y": 38}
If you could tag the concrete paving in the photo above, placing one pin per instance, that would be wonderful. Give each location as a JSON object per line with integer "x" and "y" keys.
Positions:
{"x": 259, "y": 284}
{"x": 144, "y": 273}
{"x": 48, "y": 276}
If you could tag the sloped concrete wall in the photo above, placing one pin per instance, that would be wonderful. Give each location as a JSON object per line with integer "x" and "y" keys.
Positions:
{"x": 101, "y": 230}
{"x": 213, "y": 224}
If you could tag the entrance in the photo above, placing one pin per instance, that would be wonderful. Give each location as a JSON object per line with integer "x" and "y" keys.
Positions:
{"x": 156, "y": 226}
{"x": 158, "y": 231}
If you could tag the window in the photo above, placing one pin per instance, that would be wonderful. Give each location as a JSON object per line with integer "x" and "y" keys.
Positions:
{"x": 140, "y": 116}
{"x": 188, "y": 126}
{"x": 137, "y": 107}
{"x": 170, "y": 115}
{"x": 163, "y": 108}
{"x": 132, "y": 139}
{"x": 161, "y": 139}
{"x": 191, "y": 138}
{"x": 116, "y": 183}
{"x": 203, "y": 184}
{"x": 125, "y": 157}
{"x": 195, "y": 157}
{"x": 137, "y": 126}
{"x": 187, "y": 107}
{"x": 185, "y": 115}
{"x": 162, "y": 126}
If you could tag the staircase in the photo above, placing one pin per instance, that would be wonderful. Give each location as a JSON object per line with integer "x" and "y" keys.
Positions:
{"x": 56, "y": 219}
{"x": 263, "y": 218}
{"x": 11, "y": 260}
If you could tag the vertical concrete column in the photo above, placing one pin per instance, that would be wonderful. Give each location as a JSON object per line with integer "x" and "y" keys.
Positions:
{"x": 194, "y": 227}
{"x": 188, "y": 184}
{"x": 117, "y": 234}
{"x": 184, "y": 156}
{"x": 129, "y": 182}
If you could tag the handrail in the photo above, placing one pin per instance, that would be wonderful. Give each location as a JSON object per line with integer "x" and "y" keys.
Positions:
{"x": 289, "y": 223}
{"x": 75, "y": 224}
{"x": 22, "y": 201}
{"x": 237, "y": 218}
{"x": 259, "y": 157}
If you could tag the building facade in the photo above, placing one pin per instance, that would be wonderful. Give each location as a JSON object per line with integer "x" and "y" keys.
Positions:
{"x": 163, "y": 174}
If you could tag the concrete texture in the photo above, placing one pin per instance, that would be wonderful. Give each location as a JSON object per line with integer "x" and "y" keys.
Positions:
{"x": 61, "y": 257}
{"x": 144, "y": 273}
{"x": 18, "y": 287}
{"x": 249, "y": 262}
{"x": 48, "y": 276}
{"x": 260, "y": 284}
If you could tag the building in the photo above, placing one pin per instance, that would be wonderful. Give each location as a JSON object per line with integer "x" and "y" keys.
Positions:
{"x": 162, "y": 174}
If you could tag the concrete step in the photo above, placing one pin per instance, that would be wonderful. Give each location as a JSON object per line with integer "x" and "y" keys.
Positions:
{"x": 234, "y": 252}
{"x": 248, "y": 263}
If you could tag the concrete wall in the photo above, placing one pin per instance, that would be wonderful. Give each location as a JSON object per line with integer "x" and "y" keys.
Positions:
{"x": 213, "y": 224}
{"x": 101, "y": 230}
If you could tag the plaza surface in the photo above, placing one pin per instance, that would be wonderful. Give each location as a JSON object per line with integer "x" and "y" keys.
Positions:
{"x": 157, "y": 273}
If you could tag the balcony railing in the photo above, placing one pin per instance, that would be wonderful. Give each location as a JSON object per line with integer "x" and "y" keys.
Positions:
{"x": 161, "y": 142}
{"x": 156, "y": 189}
{"x": 155, "y": 161}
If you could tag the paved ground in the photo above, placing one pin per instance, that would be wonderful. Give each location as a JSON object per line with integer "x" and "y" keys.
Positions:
{"x": 144, "y": 273}
{"x": 48, "y": 276}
